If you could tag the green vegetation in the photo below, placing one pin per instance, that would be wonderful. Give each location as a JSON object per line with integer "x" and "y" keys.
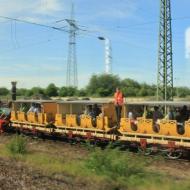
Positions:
{"x": 118, "y": 168}
{"x": 17, "y": 145}
{"x": 51, "y": 90}
{"x": 102, "y": 85}
{"x": 4, "y": 91}
{"x": 106, "y": 169}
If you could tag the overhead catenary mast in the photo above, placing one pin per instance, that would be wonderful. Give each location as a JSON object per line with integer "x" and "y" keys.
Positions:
{"x": 72, "y": 75}
{"x": 165, "y": 62}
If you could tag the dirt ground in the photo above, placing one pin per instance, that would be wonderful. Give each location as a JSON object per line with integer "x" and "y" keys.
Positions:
{"x": 14, "y": 175}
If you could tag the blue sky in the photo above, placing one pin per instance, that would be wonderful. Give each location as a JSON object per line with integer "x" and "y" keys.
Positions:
{"x": 37, "y": 56}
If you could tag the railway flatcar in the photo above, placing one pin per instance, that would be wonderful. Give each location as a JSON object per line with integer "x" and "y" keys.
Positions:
{"x": 150, "y": 126}
{"x": 157, "y": 126}
{"x": 73, "y": 118}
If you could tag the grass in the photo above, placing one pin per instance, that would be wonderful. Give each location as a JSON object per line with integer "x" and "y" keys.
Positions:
{"x": 110, "y": 168}
{"x": 17, "y": 145}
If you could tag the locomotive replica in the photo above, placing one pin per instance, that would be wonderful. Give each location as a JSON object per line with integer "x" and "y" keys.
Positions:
{"x": 75, "y": 119}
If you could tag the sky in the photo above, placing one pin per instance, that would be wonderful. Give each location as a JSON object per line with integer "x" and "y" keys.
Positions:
{"x": 36, "y": 56}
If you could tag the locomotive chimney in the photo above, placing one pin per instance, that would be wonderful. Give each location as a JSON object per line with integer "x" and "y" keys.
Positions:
{"x": 13, "y": 90}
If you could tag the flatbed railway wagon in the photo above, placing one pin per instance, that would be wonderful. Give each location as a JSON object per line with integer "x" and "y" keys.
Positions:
{"x": 137, "y": 127}
{"x": 64, "y": 117}
{"x": 168, "y": 135}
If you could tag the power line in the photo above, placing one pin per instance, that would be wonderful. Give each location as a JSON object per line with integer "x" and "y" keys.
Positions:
{"x": 34, "y": 23}
{"x": 152, "y": 22}
{"x": 85, "y": 30}
{"x": 28, "y": 45}
{"x": 182, "y": 18}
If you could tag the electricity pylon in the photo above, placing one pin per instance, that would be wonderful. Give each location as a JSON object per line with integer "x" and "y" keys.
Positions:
{"x": 72, "y": 75}
{"x": 165, "y": 62}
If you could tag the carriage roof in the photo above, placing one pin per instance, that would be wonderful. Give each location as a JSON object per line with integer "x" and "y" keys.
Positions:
{"x": 64, "y": 102}
{"x": 160, "y": 103}
{"x": 34, "y": 101}
{"x": 88, "y": 102}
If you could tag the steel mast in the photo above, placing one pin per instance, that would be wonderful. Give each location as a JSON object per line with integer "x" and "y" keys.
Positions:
{"x": 72, "y": 75}
{"x": 165, "y": 62}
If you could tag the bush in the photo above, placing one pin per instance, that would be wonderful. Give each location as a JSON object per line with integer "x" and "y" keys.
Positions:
{"x": 17, "y": 145}
{"x": 81, "y": 93}
{"x": 51, "y": 90}
{"x": 67, "y": 91}
{"x": 114, "y": 163}
{"x": 122, "y": 170}
{"x": 103, "y": 85}
{"x": 4, "y": 91}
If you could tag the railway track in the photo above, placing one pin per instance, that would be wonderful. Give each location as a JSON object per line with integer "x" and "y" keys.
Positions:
{"x": 81, "y": 143}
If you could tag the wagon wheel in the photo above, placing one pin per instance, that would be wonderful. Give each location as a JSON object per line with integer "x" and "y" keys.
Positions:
{"x": 174, "y": 154}
{"x": 145, "y": 151}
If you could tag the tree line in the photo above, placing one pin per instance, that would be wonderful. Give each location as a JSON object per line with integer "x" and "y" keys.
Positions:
{"x": 102, "y": 85}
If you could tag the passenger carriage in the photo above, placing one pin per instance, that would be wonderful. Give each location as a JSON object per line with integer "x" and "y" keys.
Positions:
{"x": 137, "y": 125}
{"x": 65, "y": 117}
{"x": 166, "y": 134}
{"x": 23, "y": 118}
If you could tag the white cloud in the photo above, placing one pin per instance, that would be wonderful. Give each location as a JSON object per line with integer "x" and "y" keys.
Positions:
{"x": 31, "y": 10}
{"x": 187, "y": 43}
{"x": 119, "y": 10}
{"x": 109, "y": 10}
{"x": 9, "y": 8}
{"x": 48, "y": 6}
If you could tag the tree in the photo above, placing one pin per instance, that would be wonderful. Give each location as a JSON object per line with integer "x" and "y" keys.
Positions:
{"x": 51, "y": 90}
{"x": 81, "y": 92}
{"x": 129, "y": 91}
{"x": 22, "y": 92}
{"x": 37, "y": 91}
{"x": 103, "y": 85}
{"x": 4, "y": 91}
{"x": 63, "y": 91}
{"x": 67, "y": 91}
{"x": 182, "y": 92}
{"x": 71, "y": 91}
{"x": 103, "y": 92}
{"x": 130, "y": 83}
{"x": 29, "y": 93}
{"x": 130, "y": 87}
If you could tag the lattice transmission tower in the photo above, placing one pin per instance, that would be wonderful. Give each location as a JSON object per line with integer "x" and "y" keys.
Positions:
{"x": 72, "y": 75}
{"x": 165, "y": 62}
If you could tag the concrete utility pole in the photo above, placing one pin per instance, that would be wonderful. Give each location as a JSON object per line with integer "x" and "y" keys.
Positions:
{"x": 108, "y": 55}
{"x": 165, "y": 62}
